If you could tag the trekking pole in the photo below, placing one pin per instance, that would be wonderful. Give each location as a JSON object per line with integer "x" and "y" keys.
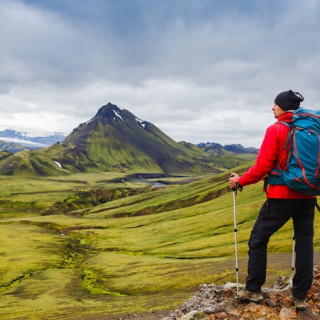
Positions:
{"x": 293, "y": 252}
{"x": 235, "y": 237}
{"x": 235, "y": 234}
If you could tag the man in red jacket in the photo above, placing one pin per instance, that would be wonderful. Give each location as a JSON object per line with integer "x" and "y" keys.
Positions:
{"x": 282, "y": 204}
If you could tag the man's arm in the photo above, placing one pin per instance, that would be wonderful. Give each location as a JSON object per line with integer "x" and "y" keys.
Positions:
{"x": 266, "y": 160}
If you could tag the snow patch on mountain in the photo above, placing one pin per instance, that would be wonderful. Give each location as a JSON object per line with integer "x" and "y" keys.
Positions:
{"x": 141, "y": 122}
{"x": 58, "y": 164}
{"x": 118, "y": 115}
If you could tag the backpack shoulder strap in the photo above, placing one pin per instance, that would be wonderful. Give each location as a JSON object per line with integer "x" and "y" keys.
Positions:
{"x": 275, "y": 174}
{"x": 290, "y": 133}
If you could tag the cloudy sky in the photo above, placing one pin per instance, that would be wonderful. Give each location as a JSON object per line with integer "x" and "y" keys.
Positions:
{"x": 200, "y": 70}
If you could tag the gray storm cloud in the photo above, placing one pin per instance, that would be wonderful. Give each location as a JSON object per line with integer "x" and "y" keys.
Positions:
{"x": 201, "y": 71}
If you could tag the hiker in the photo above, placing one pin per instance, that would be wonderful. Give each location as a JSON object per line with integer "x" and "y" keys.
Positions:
{"x": 282, "y": 203}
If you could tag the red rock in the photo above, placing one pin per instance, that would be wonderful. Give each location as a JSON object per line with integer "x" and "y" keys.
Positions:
{"x": 314, "y": 308}
{"x": 222, "y": 304}
{"x": 221, "y": 315}
{"x": 287, "y": 302}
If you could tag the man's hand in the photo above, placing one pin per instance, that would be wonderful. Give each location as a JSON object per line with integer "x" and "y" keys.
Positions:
{"x": 233, "y": 180}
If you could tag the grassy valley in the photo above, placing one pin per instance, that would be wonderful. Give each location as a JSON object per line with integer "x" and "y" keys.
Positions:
{"x": 98, "y": 245}
{"x": 120, "y": 219}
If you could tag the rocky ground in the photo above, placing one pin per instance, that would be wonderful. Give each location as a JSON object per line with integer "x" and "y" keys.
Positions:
{"x": 214, "y": 302}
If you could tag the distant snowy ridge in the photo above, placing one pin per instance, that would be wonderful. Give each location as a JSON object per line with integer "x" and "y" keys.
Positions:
{"x": 23, "y": 142}
{"x": 28, "y": 132}
{"x": 29, "y": 139}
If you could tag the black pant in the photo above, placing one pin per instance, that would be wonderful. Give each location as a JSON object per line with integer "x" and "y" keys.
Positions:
{"x": 272, "y": 216}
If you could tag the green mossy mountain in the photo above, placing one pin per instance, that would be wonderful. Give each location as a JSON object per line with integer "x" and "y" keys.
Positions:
{"x": 116, "y": 140}
{"x": 113, "y": 139}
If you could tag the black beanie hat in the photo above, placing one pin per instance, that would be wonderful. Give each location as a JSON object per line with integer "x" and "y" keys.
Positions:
{"x": 289, "y": 100}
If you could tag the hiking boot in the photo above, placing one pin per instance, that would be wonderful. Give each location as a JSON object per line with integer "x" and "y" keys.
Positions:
{"x": 247, "y": 296}
{"x": 300, "y": 304}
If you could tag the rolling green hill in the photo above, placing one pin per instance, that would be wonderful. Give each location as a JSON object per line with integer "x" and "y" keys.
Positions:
{"x": 229, "y": 156}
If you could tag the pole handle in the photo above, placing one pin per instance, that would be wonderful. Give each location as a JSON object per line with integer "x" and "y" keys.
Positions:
{"x": 239, "y": 187}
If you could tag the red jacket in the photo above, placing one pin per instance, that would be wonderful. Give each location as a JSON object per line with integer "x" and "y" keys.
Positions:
{"x": 270, "y": 154}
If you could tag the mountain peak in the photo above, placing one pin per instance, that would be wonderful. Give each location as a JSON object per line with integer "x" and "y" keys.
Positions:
{"x": 109, "y": 110}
